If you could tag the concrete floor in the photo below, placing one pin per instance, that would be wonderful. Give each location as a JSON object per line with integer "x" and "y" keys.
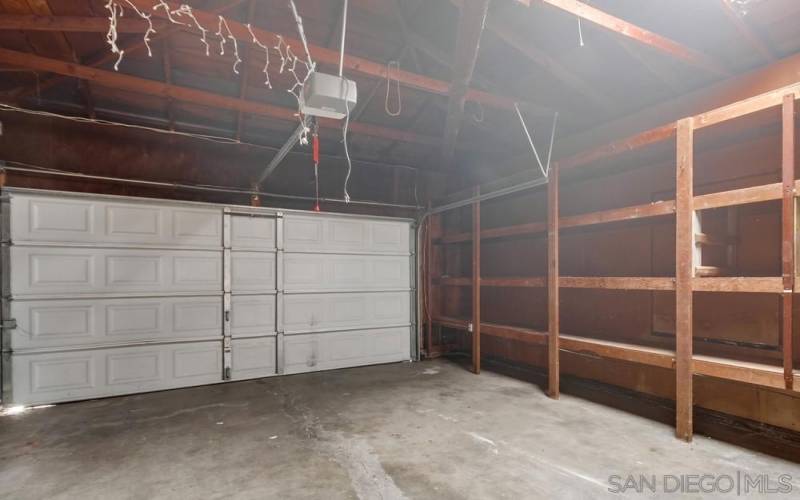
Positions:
{"x": 422, "y": 430}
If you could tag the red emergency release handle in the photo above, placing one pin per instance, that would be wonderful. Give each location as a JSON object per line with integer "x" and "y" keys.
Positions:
{"x": 315, "y": 145}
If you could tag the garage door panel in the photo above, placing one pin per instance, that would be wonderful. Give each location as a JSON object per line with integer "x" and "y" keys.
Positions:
{"x": 77, "y": 221}
{"x": 327, "y": 351}
{"x": 65, "y": 323}
{"x": 252, "y": 233}
{"x": 252, "y": 315}
{"x": 252, "y": 271}
{"x": 335, "y": 311}
{"x": 74, "y": 375}
{"x": 331, "y": 234}
{"x": 253, "y": 358}
{"x": 321, "y": 272}
{"x": 67, "y": 271}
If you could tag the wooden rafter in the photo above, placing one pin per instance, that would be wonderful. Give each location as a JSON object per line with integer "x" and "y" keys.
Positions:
{"x": 160, "y": 89}
{"x": 470, "y": 28}
{"x": 634, "y": 32}
{"x": 245, "y": 73}
{"x": 746, "y": 31}
{"x": 326, "y": 56}
{"x": 544, "y": 60}
{"x": 108, "y": 56}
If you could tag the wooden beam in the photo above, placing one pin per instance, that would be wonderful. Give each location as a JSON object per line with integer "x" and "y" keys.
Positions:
{"x": 326, "y": 56}
{"x": 745, "y": 107}
{"x": 755, "y": 194}
{"x": 82, "y": 24}
{"x": 470, "y": 28}
{"x": 129, "y": 47}
{"x": 551, "y": 64}
{"x": 684, "y": 273}
{"x": 751, "y": 373}
{"x": 476, "y": 285}
{"x": 788, "y": 234}
{"x": 637, "y": 33}
{"x": 746, "y": 31}
{"x": 553, "y": 304}
{"x": 738, "y": 285}
{"x": 638, "y": 141}
{"x": 617, "y": 283}
{"x": 193, "y": 96}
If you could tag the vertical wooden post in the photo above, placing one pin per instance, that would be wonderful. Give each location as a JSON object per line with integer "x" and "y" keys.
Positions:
{"x": 553, "y": 369}
{"x": 787, "y": 233}
{"x": 476, "y": 284}
{"x": 685, "y": 221}
{"x": 428, "y": 277}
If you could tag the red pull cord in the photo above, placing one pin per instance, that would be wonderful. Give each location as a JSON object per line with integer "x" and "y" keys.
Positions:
{"x": 315, "y": 149}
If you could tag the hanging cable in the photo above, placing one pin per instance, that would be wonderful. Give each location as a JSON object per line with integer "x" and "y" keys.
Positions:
{"x": 344, "y": 140}
{"x": 399, "y": 100}
{"x": 545, "y": 169}
{"x": 315, "y": 153}
{"x": 580, "y": 32}
{"x": 479, "y": 118}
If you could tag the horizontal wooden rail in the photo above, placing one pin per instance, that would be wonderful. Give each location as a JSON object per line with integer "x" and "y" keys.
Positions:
{"x": 743, "y": 196}
{"x": 728, "y": 369}
{"x": 745, "y": 284}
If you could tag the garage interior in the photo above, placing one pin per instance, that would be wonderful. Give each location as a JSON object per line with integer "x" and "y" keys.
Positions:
{"x": 399, "y": 248}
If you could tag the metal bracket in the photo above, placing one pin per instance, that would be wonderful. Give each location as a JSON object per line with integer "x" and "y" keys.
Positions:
{"x": 8, "y": 324}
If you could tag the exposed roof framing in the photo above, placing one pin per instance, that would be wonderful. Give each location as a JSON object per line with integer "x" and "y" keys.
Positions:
{"x": 630, "y": 30}
{"x": 330, "y": 57}
{"x": 194, "y": 96}
{"x": 470, "y": 28}
{"x": 107, "y": 56}
{"x": 746, "y": 31}
{"x": 541, "y": 58}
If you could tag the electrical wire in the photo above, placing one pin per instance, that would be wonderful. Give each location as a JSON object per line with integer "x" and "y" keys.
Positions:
{"x": 204, "y": 137}
{"x": 344, "y": 140}
{"x": 35, "y": 169}
{"x": 389, "y": 65}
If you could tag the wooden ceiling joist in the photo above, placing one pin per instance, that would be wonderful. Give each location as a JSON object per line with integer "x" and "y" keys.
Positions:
{"x": 634, "y": 32}
{"x": 329, "y": 57}
{"x": 747, "y": 31}
{"x": 32, "y": 22}
{"x": 470, "y": 28}
{"x": 199, "y": 97}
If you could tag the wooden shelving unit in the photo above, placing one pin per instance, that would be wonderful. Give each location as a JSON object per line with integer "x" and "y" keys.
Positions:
{"x": 690, "y": 273}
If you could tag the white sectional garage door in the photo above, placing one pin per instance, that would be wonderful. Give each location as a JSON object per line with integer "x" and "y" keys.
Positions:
{"x": 117, "y": 296}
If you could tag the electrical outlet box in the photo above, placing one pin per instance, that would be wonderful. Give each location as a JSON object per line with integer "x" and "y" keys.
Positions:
{"x": 328, "y": 96}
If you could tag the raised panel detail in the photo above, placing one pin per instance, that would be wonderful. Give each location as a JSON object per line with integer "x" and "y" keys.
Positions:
{"x": 252, "y": 271}
{"x": 197, "y": 226}
{"x": 253, "y": 358}
{"x": 69, "y": 376}
{"x": 304, "y": 313}
{"x": 138, "y": 318}
{"x": 203, "y": 272}
{"x": 256, "y": 233}
{"x": 61, "y": 373}
{"x": 197, "y": 361}
{"x": 46, "y": 218}
{"x": 55, "y": 269}
{"x": 252, "y": 315}
{"x": 59, "y": 322}
{"x": 133, "y": 221}
{"x": 332, "y": 234}
{"x": 133, "y": 367}
{"x": 199, "y": 316}
{"x": 321, "y": 272}
{"x": 60, "y": 217}
{"x": 327, "y": 351}
{"x": 134, "y": 271}
{"x": 92, "y": 322}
